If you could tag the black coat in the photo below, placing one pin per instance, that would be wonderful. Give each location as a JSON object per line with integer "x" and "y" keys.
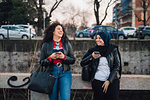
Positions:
{"x": 47, "y": 50}
{"x": 113, "y": 58}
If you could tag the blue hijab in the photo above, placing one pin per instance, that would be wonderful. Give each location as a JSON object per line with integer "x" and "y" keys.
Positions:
{"x": 104, "y": 49}
{"x": 105, "y": 36}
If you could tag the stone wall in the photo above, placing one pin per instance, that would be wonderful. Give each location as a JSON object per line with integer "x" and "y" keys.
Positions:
{"x": 23, "y": 55}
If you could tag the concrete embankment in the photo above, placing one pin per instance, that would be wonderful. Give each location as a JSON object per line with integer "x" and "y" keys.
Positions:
{"x": 20, "y": 57}
{"x": 23, "y": 55}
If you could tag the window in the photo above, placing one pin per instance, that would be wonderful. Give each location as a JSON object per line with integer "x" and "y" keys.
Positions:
{"x": 101, "y": 28}
{"x": 126, "y": 28}
{"x": 25, "y": 26}
{"x": 131, "y": 29}
{"x": 14, "y": 28}
{"x": 5, "y": 27}
{"x": 110, "y": 29}
{"x": 95, "y": 28}
{"x": 147, "y": 28}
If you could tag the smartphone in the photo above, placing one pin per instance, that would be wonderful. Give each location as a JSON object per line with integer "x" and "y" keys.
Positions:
{"x": 96, "y": 52}
{"x": 58, "y": 53}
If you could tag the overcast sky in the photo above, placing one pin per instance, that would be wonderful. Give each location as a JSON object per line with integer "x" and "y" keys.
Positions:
{"x": 83, "y": 5}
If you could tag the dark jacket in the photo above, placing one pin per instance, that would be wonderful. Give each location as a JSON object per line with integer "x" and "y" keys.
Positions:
{"x": 114, "y": 62}
{"x": 47, "y": 50}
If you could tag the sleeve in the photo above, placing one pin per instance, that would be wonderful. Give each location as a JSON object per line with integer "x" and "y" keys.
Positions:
{"x": 87, "y": 58}
{"x": 116, "y": 65}
{"x": 69, "y": 58}
{"x": 44, "y": 61}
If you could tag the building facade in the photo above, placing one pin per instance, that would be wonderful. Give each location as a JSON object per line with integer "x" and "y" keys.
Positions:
{"x": 131, "y": 13}
{"x": 138, "y": 13}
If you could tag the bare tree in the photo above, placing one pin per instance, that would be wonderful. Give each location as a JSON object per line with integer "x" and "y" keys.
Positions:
{"x": 144, "y": 4}
{"x": 84, "y": 16}
{"x": 56, "y": 4}
{"x": 38, "y": 4}
{"x": 72, "y": 16}
{"x": 76, "y": 16}
{"x": 84, "y": 20}
{"x": 97, "y": 7}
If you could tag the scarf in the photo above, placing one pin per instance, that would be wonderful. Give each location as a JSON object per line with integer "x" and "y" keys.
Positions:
{"x": 104, "y": 50}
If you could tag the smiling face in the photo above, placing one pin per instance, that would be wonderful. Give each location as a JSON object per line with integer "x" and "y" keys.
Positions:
{"x": 99, "y": 41}
{"x": 58, "y": 32}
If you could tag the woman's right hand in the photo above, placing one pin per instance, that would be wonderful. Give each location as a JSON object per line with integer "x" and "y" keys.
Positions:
{"x": 95, "y": 56}
{"x": 53, "y": 56}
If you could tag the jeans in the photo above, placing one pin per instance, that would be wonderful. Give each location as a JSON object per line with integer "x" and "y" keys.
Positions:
{"x": 62, "y": 86}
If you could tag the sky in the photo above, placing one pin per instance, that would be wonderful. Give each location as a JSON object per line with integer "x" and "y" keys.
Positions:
{"x": 82, "y": 5}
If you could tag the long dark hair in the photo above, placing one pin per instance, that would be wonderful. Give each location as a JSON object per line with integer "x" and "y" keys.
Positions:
{"x": 48, "y": 33}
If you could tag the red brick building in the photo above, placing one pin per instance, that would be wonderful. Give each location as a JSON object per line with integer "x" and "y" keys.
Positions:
{"x": 131, "y": 13}
{"x": 139, "y": 12}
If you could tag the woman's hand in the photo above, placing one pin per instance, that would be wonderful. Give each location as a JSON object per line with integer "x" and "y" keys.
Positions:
{"x": 95, "y": 55}
{"x": 60, "y": 55}
{"x": 53, "y": 56}
{"x": 105, "y": 86}
{"x": 57, "y": 55}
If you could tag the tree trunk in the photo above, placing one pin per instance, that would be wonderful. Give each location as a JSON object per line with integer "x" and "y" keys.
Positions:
{"x": 144, "y": 12}
{"x": 40, "y": 18}
{"x": 40, "y": 22}
{"x": 96, "y": 11}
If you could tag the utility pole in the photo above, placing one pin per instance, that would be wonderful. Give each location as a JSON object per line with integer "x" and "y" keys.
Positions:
{"x": 44, "y": 16}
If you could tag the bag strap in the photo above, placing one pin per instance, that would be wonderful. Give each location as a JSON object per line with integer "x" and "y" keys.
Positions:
{"x": 43, "y": 69}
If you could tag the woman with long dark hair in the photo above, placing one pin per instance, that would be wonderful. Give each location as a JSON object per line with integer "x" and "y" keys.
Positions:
{"x": 57, "y": 55}
{"x": 105, "y": 63}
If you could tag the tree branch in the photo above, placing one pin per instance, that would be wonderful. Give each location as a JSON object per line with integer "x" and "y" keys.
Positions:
{"x": 96, "y": 10}
{"x": 148, "y": 19}
{"x": 148, "y": 3}
{"x": 108, "y": 5}
{"x": 54, "y": 7}
{"x": 139, "y": 19}
{"x": 113, "y": 2}
{"x": 35, "y": 3}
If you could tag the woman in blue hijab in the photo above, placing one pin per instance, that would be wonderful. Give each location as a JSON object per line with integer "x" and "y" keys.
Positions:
{"x": 105, "y": 62}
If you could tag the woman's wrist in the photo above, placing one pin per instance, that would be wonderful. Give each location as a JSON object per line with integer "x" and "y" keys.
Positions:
{"x": 49, "y": 58}
{"x": 64, "y": 57}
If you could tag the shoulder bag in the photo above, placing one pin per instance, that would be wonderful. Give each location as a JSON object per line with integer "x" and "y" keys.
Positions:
{"x": 86, "y": 73}
{"x": 41, "y": 81}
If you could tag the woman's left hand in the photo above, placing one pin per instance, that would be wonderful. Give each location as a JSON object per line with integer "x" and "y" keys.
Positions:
{"x": 60, "y": 55}
{"x": 105, "y": 86}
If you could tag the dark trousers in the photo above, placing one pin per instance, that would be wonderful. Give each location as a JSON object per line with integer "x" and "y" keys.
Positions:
{"x": 112, "y": 91}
